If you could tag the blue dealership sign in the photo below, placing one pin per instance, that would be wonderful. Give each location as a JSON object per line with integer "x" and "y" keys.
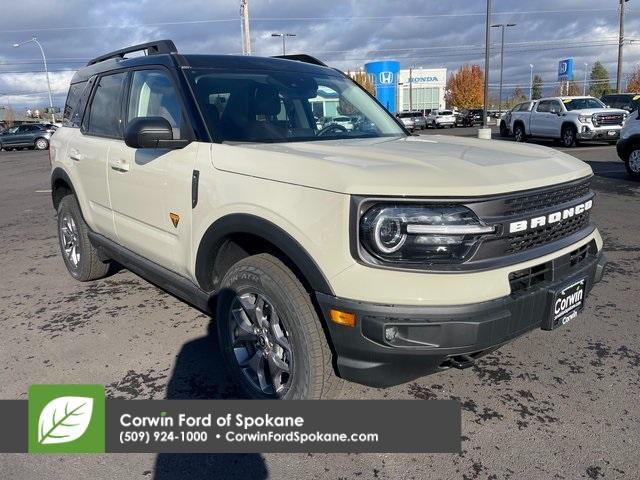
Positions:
{"x": 386, "y": 80}
{"x": 565, "y": 70}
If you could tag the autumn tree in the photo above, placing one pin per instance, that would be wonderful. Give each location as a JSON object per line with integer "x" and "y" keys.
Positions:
{"x": 634, "y": 81}
{"x": 365, "y": 80}
{"x": 599, "y": 80}
{"x": 517, "y": 96}
{"x": 538, "y": 85}
{"x": 573, "y": 90}
{"x": 465, "y": 88}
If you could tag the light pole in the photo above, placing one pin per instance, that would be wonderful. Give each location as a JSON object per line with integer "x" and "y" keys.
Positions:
{"x": 530, "y": 81}
{"x": 584, "y": 86}
{"x": 487, "y": 51}
{"x": 46, "y": 71}
{"x": 502, "y": 26}
{"x": 284, "y": 36}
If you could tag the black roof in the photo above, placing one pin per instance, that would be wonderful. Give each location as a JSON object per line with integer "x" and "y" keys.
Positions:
{"x": 162, "y": 53}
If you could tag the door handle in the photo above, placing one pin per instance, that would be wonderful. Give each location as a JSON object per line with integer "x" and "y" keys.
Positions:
{"x": 119, "y": 165}
{"x": 75, "y": 155}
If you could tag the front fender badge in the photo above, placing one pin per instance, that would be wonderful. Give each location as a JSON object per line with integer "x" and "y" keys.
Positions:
{"x": 175, "y": 218}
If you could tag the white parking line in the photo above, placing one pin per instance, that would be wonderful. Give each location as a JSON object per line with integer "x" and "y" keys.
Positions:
{"x": 43, "y": 191}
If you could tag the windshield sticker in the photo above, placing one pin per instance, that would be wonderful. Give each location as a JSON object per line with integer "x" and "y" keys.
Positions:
{"x": 567, "y": 100}
{"x": 637, "y": 97}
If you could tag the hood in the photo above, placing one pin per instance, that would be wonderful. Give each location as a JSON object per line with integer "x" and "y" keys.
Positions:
{"x": 437, "y": 166}
{"x": 591, "y": 111}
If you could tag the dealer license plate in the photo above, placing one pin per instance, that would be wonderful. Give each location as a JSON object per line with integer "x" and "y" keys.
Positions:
{"x": 566, "y": 304}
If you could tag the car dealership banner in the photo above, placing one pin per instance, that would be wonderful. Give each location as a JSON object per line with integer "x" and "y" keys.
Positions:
{"x": 78, "y": 419}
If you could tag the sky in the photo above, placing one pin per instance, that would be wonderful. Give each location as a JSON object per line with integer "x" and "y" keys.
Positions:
{"x": 344, "y": 34}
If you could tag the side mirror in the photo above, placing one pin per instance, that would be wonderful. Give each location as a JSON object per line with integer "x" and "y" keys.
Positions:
{"x": 151, "y": 132}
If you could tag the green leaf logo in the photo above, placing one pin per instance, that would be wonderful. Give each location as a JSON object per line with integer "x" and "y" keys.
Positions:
{"x": 64, "y": 419}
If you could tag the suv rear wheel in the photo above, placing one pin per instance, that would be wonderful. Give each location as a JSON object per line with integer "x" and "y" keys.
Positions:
{"x": 270, "y": 335}
{"x": 633, "y": 162}
{"x": 80, "y": 256}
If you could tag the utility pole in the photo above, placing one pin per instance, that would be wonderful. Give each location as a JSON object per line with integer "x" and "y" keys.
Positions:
{"x": 246, "y": 33}
{"x": 487, "y": 48}
{"x": 620, "y": 47}
{"x": 502, "y": 26}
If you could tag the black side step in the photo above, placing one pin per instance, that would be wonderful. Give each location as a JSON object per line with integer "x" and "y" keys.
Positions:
{"x": 173, "y": 283}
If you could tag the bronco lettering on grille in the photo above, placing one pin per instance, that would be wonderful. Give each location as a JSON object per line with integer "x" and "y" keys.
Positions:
{"x": 555, "y": 217}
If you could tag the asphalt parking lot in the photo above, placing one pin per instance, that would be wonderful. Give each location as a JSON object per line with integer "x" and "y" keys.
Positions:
{"x": 560, "y": 404}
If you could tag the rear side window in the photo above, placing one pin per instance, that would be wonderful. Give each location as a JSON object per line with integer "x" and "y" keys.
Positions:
{"x": 72, "y": 114}
{"x": 105, "y": 112}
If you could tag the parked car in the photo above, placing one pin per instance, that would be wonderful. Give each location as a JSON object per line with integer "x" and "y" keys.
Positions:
{"x": 470, "y": 117}
{"x": 625, "y": 101}
{"x": 628, "y": 146}
{"x": 322, "y": 254}
{"x": 408, "y": 120}
{"x": 570, "y": 119}
{"x": 341, "y": 121}
{"x": 441, "y": 119}
{"x": 518, "y": 111}
{"x": 25, "y": 136}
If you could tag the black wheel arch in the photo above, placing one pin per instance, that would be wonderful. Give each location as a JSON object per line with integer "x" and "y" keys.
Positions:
{"x": 236, "y": 236}
{"x": 568, "y": 125}
{"x": 61, "y": 185}
{"x": 625, "y": 147}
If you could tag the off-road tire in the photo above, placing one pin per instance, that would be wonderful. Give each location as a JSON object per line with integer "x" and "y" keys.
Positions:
{"x": 503, "y": 130}
{"x": 90, "y": 266}
{"x": 313, "y": 375}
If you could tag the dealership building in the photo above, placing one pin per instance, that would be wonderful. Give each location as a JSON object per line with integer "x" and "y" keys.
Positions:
{"x": 401, "y": 90}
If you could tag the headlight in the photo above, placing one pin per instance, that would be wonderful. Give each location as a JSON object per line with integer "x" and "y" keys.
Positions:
{"x": 420, "y": 234}
{"x": 584, "y": 118}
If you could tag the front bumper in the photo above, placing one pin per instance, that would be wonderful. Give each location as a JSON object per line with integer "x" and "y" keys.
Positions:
{"x": 587, "y": 132}
{"x": 430, "y": 339}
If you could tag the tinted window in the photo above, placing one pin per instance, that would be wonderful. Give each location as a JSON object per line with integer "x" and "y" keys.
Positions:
{"x": 153, "y": 95}
{"x": 544, "y": 106}
{"x": 104, "y": 113}
{"x": 72, "y": 112}
{"x": 582, "y": 103}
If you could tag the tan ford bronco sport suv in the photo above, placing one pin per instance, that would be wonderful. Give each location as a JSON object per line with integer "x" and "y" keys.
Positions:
{"x": 365, "y": 254}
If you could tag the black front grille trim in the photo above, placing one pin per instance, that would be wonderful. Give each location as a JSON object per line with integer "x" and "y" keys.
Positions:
{"x": 522, "y": 205}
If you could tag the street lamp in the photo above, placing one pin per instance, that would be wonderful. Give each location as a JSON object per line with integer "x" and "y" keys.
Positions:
{"x": 531, "y": 81}
{"x": 46, "y": 71}
{"x": 502, "y": 26}
{"x": 284, "y": 36}
{"x": 584, "y": 86}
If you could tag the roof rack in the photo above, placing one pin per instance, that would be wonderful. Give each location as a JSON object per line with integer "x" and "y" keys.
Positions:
{"x": 152, "y": 48}
{"x": 302, "y": 58}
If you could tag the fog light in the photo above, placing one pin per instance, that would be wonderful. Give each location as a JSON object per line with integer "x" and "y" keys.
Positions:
{"x": 390, "y": 333}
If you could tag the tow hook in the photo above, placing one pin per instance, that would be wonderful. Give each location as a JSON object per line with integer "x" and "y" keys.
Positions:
{"x": 461, "y": 361}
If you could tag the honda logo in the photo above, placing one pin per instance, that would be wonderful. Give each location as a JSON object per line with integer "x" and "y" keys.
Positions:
{"x": 385, "y": 78}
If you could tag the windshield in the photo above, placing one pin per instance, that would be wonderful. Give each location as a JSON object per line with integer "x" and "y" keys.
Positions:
{"x": 276, "y": 106}
{"x": 582, "y": 103}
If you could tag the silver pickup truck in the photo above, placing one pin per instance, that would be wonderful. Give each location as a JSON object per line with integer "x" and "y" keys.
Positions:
{"x": 570, "y": 119}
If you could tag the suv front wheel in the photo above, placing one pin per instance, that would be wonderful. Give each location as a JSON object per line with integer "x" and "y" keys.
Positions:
{"x": 270, "y": 335}
{"x": 633, "y": 162}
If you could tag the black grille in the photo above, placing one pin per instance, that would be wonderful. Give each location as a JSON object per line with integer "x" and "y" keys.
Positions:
{"x": 541, "y": 200}
{"x": 609, "y": 119}
{"x": 518, "y": 242}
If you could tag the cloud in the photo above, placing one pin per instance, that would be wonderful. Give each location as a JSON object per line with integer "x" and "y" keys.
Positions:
{"x": 346, "y": 34}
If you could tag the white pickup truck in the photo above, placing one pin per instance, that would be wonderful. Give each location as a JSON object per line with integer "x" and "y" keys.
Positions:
{"x": 570, "y": 119}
